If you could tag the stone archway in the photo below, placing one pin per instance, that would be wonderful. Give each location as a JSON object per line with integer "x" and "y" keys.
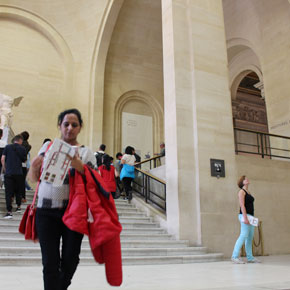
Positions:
{"x": 38, "y": 65}
{"x": 98, "y": 70}
{"x": 157, "y": 115}
{"x": 249, "y": 107}
{"x": 46, "y": 30}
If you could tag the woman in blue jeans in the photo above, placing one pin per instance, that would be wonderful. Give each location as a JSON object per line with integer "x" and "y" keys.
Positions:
{"x": 246, "y": 201}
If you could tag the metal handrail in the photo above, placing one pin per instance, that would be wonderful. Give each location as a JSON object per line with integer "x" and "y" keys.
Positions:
{"x": 144, "y": 184}
{"x": 149, "y": 159}
{"x": 262, "y": 146}
{"x": 259, "y": 132}
{"x": 151, "y": 176}
{"x": 154, "y": 159}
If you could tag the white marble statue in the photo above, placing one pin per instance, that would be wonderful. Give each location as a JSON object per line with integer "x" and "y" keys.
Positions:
{"x": 6, "y": 104}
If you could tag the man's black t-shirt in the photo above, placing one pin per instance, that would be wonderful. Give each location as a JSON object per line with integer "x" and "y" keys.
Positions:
{"x": 15, "y": 154}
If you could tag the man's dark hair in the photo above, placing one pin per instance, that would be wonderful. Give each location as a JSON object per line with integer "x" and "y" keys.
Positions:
{"x": 107, "y": 161}
{"x": 129, "y": 150}
{"x": 17, "y": 138}
{"x": 46, "y": 140}
{"x": 102, "y": 147}
{"x": 118, "y": 155}
{"x": 25, "y": 135}
{"x": 69, "y": 111}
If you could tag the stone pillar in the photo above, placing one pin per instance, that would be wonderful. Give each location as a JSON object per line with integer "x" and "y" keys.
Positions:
{"x": 198, "y": 117}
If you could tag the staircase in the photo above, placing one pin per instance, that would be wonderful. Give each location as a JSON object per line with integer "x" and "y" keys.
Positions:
{"x": 143, "y": 241}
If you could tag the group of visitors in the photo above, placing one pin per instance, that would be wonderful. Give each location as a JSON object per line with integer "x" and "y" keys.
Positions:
{"x": 14, "y": 163}
{"x": 118, "y": 175}
{"x": 60, "y": 263}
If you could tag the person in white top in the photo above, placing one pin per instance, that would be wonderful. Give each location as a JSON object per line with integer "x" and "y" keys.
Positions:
{"x": 2, "y": 146}
{"x": 59, "y": 263}
{"x": 127, "y": 173}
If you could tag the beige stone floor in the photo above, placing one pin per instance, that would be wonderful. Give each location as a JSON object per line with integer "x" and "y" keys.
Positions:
{"x": 273, "y": 273}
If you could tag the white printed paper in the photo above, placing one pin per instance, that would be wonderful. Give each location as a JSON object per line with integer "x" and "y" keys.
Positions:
{"x": 57, "y": 162}
{"x": 252, "y": 220}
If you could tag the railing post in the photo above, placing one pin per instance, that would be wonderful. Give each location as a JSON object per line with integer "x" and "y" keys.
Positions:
{"x": 165, "y": 196}
{"x": 143, "y": 184}
{"x": 258, "y": 143}
{"x": 236, "y": 140}
{"x": 262, "y": 144}
{"x": 146, "y": 189}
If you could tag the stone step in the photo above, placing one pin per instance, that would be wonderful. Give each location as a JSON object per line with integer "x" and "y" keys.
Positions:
{"x": 86, "y": 251}
{"x": 142, "y": 241}
{"x": 14, "y": 228}
{"x": 126, "y": 243}
{"x": 125, "y": 224}
{"x": 124, "y": 235}
{"x": 131, "y": 214}
{"x": 125, "y": 219}
{"x": 118, "y": 203}
{"x": 128, "y": 210}
{"x": 124, "y": 213}
{"x": 134, "y": 260}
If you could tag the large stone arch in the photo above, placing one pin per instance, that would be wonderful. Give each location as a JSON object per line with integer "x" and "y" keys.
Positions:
{"x": 98, "y": 64}
{"x": 242, "y": 59}
{"x": 239, "y": 76}
{"x": 155, "y": 107}
{"x": 48, "y": 31}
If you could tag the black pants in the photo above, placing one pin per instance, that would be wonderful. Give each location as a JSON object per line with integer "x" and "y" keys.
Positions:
{"x": 23, "y": 190}
{"x": 59, "y": 265}
{"x": 13, "y": 186}
{"x": 127, "y": 185}
{"x": 119, "y": 186}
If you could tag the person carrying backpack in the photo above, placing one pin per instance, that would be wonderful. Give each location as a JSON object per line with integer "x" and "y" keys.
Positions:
{"x": 108, "y": 173}
{"x": 99, "y": 154}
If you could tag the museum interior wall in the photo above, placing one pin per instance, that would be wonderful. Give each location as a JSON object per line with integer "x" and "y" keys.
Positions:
{"x": 178, "y": 65}
{"x": 46, "y": 57}
{"x": 250, "y": 53}
{"x": 134, "y": 71}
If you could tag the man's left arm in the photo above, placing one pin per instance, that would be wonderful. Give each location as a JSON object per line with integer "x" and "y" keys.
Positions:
{"x": 3, "y": 163}
{"x": 21, "y": 152}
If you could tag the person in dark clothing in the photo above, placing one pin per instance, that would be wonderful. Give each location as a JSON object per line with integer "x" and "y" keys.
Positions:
{"x": 27, "y": 147}
{"x": 46, "y": 140}
{"x": 108, "y": 173}
{"x": 2, "y": 146}
{"x": 128, "y": 171}
{"x": 138, "y": 159}
{"x": 99, "y": 155}
{"x": 118, "y": 167}
{"x": 13, "y": 156}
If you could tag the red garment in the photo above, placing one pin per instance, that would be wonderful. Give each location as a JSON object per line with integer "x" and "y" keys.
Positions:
{"x": 91, "y": 211}
{"x": 108, "y": 177}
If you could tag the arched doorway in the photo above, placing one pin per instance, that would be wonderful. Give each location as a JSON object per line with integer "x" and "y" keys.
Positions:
{"x": 250, "y": 115}
{"x": 140, "y": 115}
{"x": 137, "y": 127}
{"x": 249, "y": 107}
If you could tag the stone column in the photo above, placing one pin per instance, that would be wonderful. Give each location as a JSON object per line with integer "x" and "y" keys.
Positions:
{"x": 198, "y": 117}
